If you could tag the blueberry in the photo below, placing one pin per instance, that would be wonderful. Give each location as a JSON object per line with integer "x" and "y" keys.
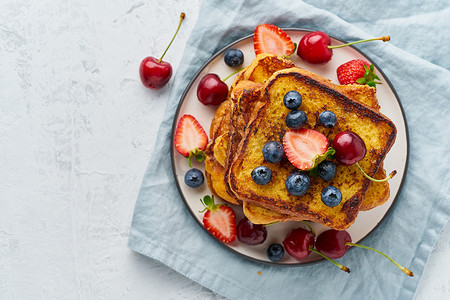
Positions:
{"x": 331, "y": 196}
{"x": 234, "y": 57}
{"x": 261, "y": 175}
{"x": 326, "y": 170}
{"x": 275, "y": 252}
{"x": 292, "y": 100}
{"x": 328, "y": 119}
{"x": 273, "y": 152}
{"x": 296, "y": 119}
{"x": 194, "y": 178}
{"x": 297, "y": 183}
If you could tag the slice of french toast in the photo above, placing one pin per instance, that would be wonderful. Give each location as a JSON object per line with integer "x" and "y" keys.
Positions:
{"x": 259, "y": 71}
{"x": 319, "y": 94}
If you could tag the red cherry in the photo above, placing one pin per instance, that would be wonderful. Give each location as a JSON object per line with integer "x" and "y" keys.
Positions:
{"x": 298, "y": 243}
{"x": 155, "y": 73}
{"x": 313, "y": 48}
{"x": 350, "y": 148}
{"x": 332, "y": 243}
{"x": 211, "y": 90}
{"x": 335, "y": 243}
{"x": 251, "y": 234}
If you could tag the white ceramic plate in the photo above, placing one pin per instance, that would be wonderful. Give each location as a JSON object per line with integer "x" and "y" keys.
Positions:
{"x": 396, "y": 159}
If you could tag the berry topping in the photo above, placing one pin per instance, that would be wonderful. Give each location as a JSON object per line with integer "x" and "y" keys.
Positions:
{"x": 272, "y": 40}
{"x": 190, "y": 138}
{"x": 261, "y": 175}
{"x": 331, "y": 196}
{"x": 219, "y": 220}
{"x": 305, "y": 148}
{"x": 211, "y": 90}
{"x": 296, "y": 119}
{"x": 251, "y": 234}
{"x": 275, "y": 252}
{"x": 298, "y": 243}
{"x": 357, "y": 71}
{"x": 328, "y": 119}
{"x": 349, "y": 147}
{"x": 194, "y": 178}
{"x": 273, "y": 152}
{"x": 234, "y": 58}
{"x": 292, "y": 100}
{"x": 326, "y": 170}
{"x": 297, "y": 183}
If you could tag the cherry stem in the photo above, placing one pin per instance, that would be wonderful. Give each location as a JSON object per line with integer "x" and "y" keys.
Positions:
{"x": 225, "y": 79}
{"x": 376, "y": 180}
{"x": 309, "y": 226}
{"x": 343, "y": 268}
{"x": 383, "y": 38}
{"x": 179, "y": 25}
{"x": 404, "y": 270}
{"x": 272, "y": 223}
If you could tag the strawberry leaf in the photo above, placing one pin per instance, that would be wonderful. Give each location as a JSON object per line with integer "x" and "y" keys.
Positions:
{"x": 361, "y": 80}
{"x": 208, "y": 202}
{"x": 314, "y": 172}
{"x": 320, "y": 158}
{"x": 198, "y": 154}
{"x": 369, "y": 77}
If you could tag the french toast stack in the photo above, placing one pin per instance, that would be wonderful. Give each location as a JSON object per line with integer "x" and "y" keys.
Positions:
{"x": 254, "y": 113}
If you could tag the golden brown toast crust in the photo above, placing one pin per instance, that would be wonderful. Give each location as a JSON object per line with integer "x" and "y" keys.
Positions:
{"x": 271, "y": 118}
{"x": 226, "y": 116}
{"x": 261, "y": 68}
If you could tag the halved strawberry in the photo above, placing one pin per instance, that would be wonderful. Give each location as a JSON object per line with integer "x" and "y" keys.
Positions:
{"x": 219, "y": 220}
{"x": 306, "y": 148}
{"x": 271, "y": 39}
{"x": 190, "y": 138}
{"x": 357, "y": 71}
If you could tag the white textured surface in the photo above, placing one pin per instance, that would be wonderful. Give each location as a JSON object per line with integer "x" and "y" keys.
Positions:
{"x": 77, "y": 130}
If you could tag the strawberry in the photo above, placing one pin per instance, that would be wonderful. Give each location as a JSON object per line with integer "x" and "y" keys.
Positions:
{"x": 357, "y": 71}
{"x": 272, "y": 40}
{"x": 306, "y": 148}
{"x": 190, "y": 138}
{"x": 219, "y": 220}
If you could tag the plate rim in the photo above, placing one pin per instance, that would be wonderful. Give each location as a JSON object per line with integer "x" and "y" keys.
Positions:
{"x": 172, "y": 152}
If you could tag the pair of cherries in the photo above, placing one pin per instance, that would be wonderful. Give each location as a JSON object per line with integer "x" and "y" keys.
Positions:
{"x": 330, "y": 244}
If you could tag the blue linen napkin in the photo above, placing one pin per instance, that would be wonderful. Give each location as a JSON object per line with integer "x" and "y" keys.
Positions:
{"x": 163, "y": 229}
